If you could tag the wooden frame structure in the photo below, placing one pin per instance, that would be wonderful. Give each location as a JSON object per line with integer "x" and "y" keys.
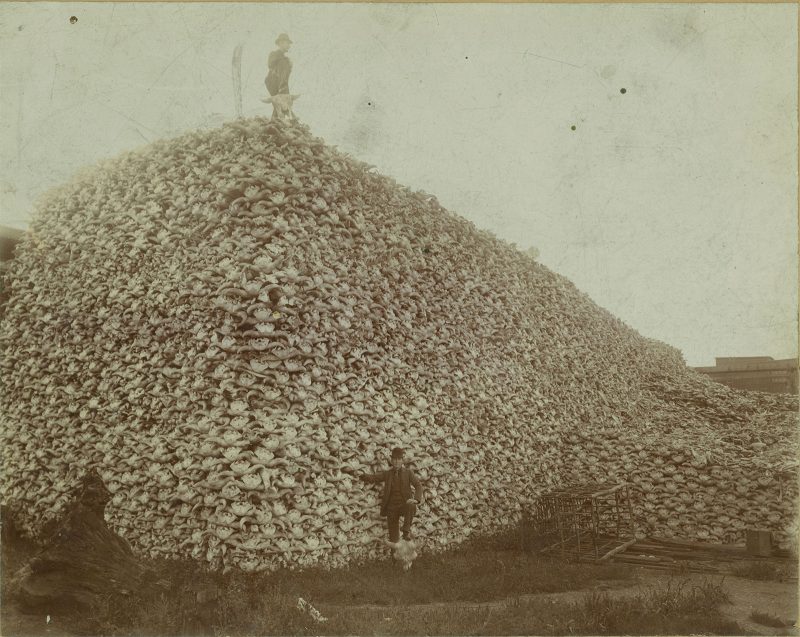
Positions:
{"x": 587, "y": 521}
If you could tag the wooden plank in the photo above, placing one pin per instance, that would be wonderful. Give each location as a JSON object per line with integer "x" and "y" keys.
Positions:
{"x": 700, "y": 545}
{"x": 658, "y": 567}
{"x": 696, "y": 554}
{"x": 666, "y": 566}
{"x": 619, "y": 549}
{"x": 666, "y": 549}
{"x": 643, "y": 559}
{"x": 659, "y": 547}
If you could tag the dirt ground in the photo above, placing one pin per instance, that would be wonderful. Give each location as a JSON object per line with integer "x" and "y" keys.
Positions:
{"x": 15, "y": 623}
{"x": 777, "y": 599}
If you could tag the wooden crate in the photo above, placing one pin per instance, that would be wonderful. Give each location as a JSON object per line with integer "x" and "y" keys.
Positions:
{"x": 585, "y": 522}
{"x": 759, "y": 542}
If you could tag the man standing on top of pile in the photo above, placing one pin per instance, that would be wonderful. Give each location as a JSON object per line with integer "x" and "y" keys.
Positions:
{"x": 280, "y": 67}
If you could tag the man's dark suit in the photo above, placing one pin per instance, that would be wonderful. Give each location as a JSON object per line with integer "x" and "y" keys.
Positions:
{"x": 406, "y": 479}
{"x": 280, "y": 67}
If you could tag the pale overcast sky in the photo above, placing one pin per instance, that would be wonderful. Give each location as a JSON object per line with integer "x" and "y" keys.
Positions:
{"x": 673, "y": 204}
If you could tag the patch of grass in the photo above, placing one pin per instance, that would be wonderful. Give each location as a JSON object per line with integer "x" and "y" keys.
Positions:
{"x": 16, "y": 551}
{"x": 241, "y": 608}
{"x": 468, "y": 574}
{"x": 767, "y": 620}
{"x": 198, "y": 602}
{"x": 194, "y": 601}
{"x": 674, "y": 608}
{"x": 233, "y": 613}
{"x": 765, "y": 571}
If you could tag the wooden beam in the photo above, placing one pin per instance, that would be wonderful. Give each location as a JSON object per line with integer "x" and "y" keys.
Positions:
{"x": 619, "y": 549}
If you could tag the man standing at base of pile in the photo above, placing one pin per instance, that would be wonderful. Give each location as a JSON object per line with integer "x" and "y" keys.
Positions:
{"x": 396, "y": 500}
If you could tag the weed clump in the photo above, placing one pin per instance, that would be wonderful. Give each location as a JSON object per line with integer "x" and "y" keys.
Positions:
{"x": 764, "y": 571}
{"x": 765, "y": 619}
{"x": 676, "y": 607}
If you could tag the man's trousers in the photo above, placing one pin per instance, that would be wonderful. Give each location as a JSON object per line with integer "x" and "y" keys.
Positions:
{"x": 407, "y": 511}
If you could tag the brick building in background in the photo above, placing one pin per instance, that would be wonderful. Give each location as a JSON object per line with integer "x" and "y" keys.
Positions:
{"x": 756, "y": 373}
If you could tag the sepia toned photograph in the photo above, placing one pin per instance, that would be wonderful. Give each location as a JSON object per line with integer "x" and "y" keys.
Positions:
{"x": 398, "y": 319}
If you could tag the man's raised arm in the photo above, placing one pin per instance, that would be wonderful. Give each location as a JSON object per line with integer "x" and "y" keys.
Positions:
{"x": 373, "y": 477}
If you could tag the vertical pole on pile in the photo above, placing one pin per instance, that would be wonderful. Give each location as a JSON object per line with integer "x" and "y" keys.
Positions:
{"x": 630, "y": 511}
{"x": 236, "y": 72}
{"x": 561, "y": 531}
{"x": 596, "y": 504}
